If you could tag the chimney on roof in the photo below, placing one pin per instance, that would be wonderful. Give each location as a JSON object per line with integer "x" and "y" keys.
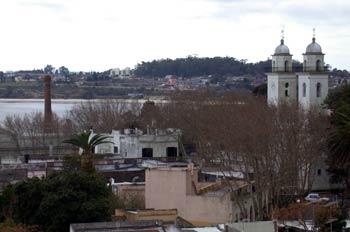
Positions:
{"x": 48, "y": 111}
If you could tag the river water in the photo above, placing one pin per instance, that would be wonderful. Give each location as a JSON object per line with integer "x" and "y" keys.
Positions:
{"x": 27, "y": 107}
{"x": 59, "y": 106}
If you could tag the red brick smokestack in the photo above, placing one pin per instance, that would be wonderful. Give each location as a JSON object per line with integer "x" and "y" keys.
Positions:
{"x": 48, "y": 111}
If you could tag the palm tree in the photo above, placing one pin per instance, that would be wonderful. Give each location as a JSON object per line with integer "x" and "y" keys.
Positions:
{"x": 87, "y": 144}
{"x": 339, "y": 148}
{"x": 339, "y": 138}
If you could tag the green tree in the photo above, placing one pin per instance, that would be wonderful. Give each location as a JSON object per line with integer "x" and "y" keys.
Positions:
{"x": 49, "y": 69}
{"x": 339, "y": 148}
{"x": 338, "y": 101}
{"x": 87, "y": 143}
{"x": 339, "y": 135}
{"x": 6, "y": 200}
{"x": 62, "y": 198}
{"x": 64, "y": 71}
{"x": 149, "y": 115}
{"x": 2, "y": 76}
{"x": 260, "y": 90}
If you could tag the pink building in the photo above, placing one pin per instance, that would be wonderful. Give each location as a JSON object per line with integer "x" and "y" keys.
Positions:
{"x": 200, "y": 203}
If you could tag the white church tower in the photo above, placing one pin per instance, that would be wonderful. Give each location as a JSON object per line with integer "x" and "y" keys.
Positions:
{"x": 281, "y": 82}
{"x": 313, "y": 81}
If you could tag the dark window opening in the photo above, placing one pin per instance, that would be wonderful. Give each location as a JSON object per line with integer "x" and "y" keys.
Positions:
{"x": 26, "y": 158}
{"x": 318, "y": 90}
{"x": 286, "y": 92}
{"x": 304, "y": 89}
{"x": 115, "y": 150}
{"x": 318, "y": 65}
{"x": 319, "y": 172}
{"x": 147, "y": 152}
{"x": 286, "y": 66}
{"x": 171, "y": 151}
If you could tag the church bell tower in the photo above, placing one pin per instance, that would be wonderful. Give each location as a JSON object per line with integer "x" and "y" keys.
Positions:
{"x": 313, "y": 81}
{"x": 281, "y": 81}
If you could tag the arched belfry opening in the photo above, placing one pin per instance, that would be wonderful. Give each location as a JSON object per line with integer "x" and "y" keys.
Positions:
{"x": 318, "y": 66}
{"x": 286, "y": 66}
{"x": 318, "y": 90}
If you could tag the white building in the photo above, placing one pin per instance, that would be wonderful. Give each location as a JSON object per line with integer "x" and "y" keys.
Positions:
{"x": 114, "y": 72}
{"x": 120, "y": 73}
{"x": 307, "y": 88}
{"x": 134, "y": 144}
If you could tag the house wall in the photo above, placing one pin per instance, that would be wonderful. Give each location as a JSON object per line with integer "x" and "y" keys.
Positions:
{"x": 130, "y": 191}
{"x": 168, "y": 188}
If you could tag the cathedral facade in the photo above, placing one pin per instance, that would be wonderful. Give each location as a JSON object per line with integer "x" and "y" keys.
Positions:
{"x": 307, "y": 87}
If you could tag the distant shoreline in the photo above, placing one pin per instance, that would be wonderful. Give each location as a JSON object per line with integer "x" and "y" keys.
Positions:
{"x": 70, "y": 101}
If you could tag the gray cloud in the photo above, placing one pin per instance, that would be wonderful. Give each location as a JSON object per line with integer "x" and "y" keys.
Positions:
{"x": 42, "y": 4}
{"x": 330, "y": 14}
{"x": 322, "y": 13}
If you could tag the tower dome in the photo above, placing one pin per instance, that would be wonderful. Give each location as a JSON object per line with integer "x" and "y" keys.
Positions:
{"x": 282, "y": 49}
{"x": 313, "y": 47}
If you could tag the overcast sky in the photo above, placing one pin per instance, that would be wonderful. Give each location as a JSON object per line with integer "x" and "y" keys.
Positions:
{"x": 102, "y": 34}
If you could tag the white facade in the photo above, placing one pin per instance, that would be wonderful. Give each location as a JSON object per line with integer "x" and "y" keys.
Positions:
{"x": 313, "y": 89}
{"x": 135, "y": 144}
{"x": 282, "y": 87}
{"x": 308, "y": 88}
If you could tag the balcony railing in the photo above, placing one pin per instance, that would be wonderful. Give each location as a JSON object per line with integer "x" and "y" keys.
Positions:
{"x": 298, "y": 69}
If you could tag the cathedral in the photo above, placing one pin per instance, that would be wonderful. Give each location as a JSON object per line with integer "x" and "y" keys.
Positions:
{"x": 308, "y": 88}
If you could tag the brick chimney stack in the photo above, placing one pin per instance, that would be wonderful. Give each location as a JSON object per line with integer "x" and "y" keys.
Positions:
{"x": 48, "y": 111}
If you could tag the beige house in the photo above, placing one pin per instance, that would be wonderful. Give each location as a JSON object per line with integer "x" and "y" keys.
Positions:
{"x": 201, "y": 204}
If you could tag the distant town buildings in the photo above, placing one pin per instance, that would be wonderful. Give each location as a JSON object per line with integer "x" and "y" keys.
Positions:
{"x": 120, "y": 73}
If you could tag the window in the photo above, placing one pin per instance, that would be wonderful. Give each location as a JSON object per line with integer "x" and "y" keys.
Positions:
{"x": 286, "y": 91}
{"x": 286, "y": 66}
{"x": 305, "y": 69}
{"x": 319, "y": 172}
{"x": 304, "y": 89}
{"x": 115, "y": 150}
{"x": 273, "y": 66}
{"x": 171, "y": 151}
{"x": 147, "y": 152}
{"x": 318, "y": 90}
{"x": 318, "y": 66}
